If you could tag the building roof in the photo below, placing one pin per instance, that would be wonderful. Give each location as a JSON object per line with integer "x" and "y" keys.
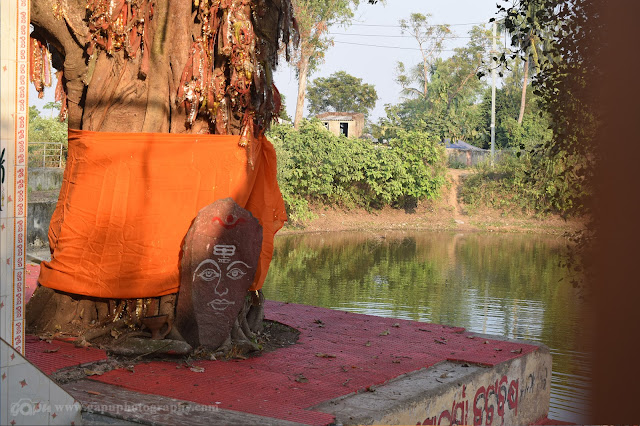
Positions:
{"x": 340, "y": 116}
{"x": 461, "y": 145}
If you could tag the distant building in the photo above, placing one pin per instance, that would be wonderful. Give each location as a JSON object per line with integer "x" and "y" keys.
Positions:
{"x": 349, "y": 124}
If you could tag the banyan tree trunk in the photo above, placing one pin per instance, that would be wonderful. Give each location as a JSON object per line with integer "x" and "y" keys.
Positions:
{"x": 169, "y": 66}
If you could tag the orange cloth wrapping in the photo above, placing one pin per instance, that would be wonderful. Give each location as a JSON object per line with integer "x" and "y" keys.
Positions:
{"x": 128, "y": 199}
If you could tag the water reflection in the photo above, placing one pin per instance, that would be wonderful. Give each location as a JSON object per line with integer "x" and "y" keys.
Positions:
{"x": 509, "y": 285}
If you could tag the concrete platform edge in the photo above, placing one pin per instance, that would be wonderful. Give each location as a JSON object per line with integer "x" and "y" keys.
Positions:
{"x": 108, "y": 404}
{"x": 513, "y": 392}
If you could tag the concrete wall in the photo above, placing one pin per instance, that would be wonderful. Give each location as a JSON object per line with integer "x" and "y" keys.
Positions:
{"x": 45, "y": 178}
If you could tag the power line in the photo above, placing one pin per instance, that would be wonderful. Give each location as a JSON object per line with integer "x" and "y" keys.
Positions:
{"x": 388, "y": 47}
{"x": 433, "y": 25}
{"x": 396, "y": 36}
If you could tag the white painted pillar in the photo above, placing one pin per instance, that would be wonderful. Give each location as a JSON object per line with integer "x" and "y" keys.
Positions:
{"x": 14, "y": 78}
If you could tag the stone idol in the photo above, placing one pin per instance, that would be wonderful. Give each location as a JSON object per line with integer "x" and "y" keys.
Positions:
{"x": 220, "y": 255}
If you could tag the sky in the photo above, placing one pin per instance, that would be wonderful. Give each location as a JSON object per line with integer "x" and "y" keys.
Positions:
{"x": 375, "y": 25}
{"x": 379, "y": 25}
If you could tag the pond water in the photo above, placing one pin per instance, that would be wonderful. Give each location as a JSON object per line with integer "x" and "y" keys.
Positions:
{"x": 510, "y": 285}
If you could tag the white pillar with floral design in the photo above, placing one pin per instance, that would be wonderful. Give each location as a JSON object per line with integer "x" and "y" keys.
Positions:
{"x": 14, "y": 78}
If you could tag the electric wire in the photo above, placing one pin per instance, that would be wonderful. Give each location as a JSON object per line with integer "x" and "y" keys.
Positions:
{"x": 432, "y": 25}
{"x": 394, "y": 36}
{"x": 387, "y": 47}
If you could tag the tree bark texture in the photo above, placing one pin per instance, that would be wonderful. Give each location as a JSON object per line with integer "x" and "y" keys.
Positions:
{"x": 523, "y": 98}
{"x": 109, "y": 89}
{"x": 303, "y": 71}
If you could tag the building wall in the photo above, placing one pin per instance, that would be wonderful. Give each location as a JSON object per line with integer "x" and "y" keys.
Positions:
{"x": 354, "y": 130}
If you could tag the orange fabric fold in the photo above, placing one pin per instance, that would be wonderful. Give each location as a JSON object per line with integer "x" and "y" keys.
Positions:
{"x": 128, "y": 199}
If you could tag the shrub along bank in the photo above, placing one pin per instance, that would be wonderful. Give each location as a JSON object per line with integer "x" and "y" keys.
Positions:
{"x": 315, "y": 166}
{"x": 532, "y": 183}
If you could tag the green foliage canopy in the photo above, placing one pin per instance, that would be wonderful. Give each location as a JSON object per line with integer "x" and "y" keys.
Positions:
{"x": 43, "y": 129}
{"x": 314, "y": 17}
{"x": 341, "y": 92}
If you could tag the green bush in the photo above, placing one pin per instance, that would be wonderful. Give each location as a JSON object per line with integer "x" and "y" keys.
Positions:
{"x": 531, "y": 182}
{"x": 315, "y": 166}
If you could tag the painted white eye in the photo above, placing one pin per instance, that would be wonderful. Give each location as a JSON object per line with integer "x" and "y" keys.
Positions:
{"x": 236, "y": 273}
{"x": 209, "y": 274}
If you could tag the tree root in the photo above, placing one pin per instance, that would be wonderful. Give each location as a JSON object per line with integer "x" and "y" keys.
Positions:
{"x": 111, "y": 322}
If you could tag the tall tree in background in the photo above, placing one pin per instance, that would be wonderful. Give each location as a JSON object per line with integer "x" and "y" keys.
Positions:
{"x": 525, "y": 30}
{"x": 430, "y": 40}
{"x": 449, "y": 108}
{"x": 341, "y": 92}
{"x": 314, "y": 18}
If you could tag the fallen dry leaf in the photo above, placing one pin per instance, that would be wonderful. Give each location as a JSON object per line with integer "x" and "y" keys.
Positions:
{"x": 441, "y": 342}
{"x": 385, "y": 333}
{"x": 301, "y": 379}
{"x": 197, "y": 369}
{"x": 322, "y": 355}
{"x": 51, "y": 351}
{"x": 368, "y": 343}
{"x": 396, "y": 325}
{"x": 93, "y": 393}
{"x": 517, "y": 351}
{"x": 88, "y": 372}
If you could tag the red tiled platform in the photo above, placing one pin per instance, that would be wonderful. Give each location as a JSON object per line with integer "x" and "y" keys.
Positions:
{"x": 364, "y": 356}
{"x": 360, "y": 351}
{"x": 51, "y": 357}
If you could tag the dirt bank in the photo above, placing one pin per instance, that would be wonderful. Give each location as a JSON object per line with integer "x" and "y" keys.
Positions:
{"x": 447, "y": 213}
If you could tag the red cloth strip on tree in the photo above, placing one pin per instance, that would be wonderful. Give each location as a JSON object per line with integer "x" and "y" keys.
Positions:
{"x": 128, "y": 199}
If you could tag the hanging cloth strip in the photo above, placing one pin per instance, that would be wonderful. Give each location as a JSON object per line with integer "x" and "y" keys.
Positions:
{"x": 128, "y": 199}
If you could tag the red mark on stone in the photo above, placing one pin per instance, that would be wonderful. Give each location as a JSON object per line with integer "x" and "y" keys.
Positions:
{"x": 229, "y": 223}
{"x": 23, "y": 383}
{"x": 4, "y": 68}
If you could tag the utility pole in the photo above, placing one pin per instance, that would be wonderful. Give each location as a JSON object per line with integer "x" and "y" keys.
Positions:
{"x": 493, "y": 96}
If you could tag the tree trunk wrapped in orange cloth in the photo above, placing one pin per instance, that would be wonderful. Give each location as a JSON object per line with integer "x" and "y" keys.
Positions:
{"x": 128, "y": 199}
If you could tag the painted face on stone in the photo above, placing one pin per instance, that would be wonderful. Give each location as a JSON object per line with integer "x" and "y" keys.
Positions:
{"x": 219, "y": 277}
